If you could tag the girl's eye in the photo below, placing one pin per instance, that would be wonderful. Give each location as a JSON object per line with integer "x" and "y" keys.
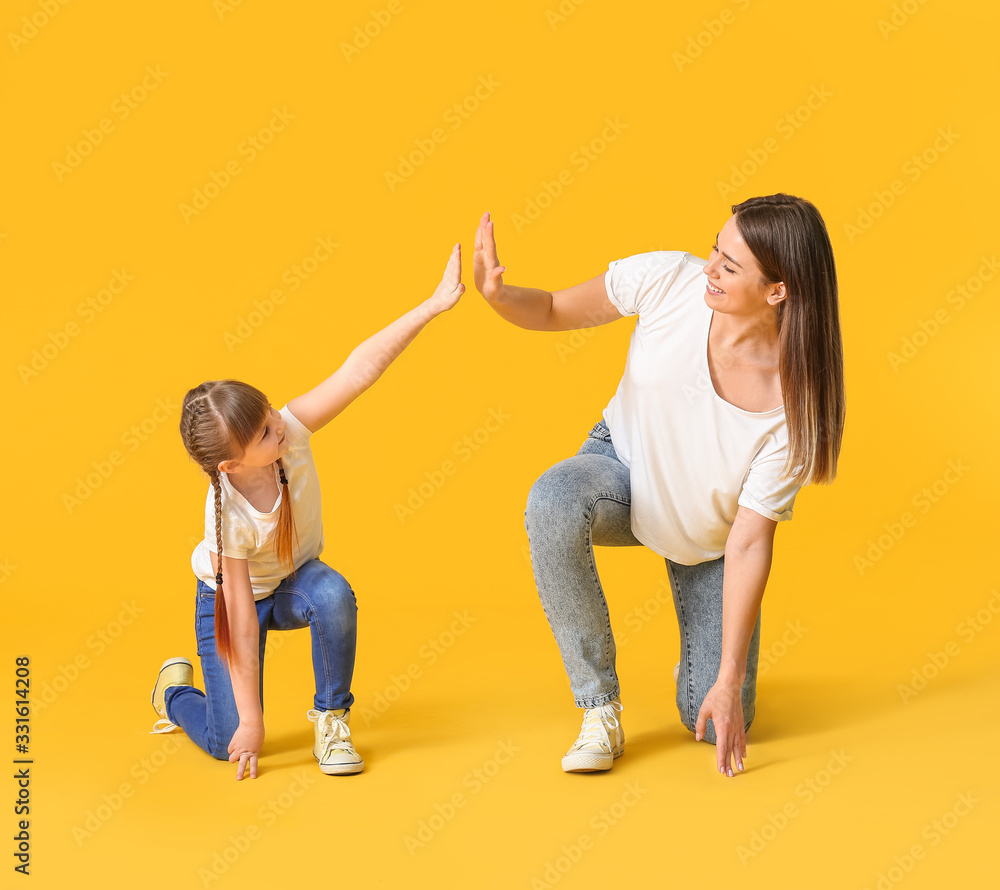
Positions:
{"x": 267, "y": 429}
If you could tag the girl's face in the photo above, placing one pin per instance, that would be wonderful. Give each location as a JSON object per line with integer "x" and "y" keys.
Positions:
{"x": 735, "y": 285}
{"x": 269, "y": 443}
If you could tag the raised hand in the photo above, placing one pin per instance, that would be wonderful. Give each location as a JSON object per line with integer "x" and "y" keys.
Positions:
{"x": 451, "y": 288}
{"x": 486, "y": 268}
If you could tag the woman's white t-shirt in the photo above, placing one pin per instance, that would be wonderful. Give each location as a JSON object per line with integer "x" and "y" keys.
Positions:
{"x": 249, "y": 534}
{"x": 693, "y": 457}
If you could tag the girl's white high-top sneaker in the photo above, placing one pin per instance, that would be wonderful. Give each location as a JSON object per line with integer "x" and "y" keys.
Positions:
{"x": 333, "y": 747}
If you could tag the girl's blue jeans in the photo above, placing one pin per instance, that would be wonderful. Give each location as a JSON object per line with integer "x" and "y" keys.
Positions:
{"x": 586, "y": 500}
{"x": 316, "y": 597}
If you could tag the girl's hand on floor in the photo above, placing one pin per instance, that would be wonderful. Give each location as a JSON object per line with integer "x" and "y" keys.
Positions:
{"x": 451, "y": 288}
{"x": 245, "y": 744}
{"x": 724, "y": 704}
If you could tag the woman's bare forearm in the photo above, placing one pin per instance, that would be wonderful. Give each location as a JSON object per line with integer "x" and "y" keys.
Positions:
{"x": 526, "y": 307}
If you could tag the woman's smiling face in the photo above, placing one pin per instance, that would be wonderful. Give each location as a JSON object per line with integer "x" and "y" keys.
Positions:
{"x": 735, "y": 284}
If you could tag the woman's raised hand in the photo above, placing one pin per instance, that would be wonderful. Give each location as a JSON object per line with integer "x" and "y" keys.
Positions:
{"x": 451, "y": 288}
{"x": 486, "y": 268}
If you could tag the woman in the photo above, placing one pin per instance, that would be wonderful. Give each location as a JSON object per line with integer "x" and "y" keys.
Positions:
{"x": 731, "y": 400}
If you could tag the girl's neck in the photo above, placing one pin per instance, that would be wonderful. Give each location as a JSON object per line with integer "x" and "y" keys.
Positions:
{"x": 252, "y": 478}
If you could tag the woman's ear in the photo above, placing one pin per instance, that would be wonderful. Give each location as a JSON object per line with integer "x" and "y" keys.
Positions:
{"x": 777, "y": 294}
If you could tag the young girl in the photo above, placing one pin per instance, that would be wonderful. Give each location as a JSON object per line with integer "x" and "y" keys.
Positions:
{"x": 263, "y": 519}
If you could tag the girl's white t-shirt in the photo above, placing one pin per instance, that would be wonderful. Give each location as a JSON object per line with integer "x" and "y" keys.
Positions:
{"x": 249, "y": 534}
{"x": 693, "y": 457}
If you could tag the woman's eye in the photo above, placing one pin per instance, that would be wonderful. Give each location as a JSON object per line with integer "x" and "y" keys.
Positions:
{"x": 724, "y": 266}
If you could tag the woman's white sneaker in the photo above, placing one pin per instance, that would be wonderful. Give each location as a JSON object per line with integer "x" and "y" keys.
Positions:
{"x": 600, "y": 742}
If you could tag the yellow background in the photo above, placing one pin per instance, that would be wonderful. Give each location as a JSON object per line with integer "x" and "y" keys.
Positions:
{"x": 70, "y": 567}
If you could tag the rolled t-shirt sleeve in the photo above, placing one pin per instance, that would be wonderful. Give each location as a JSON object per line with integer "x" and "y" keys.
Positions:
{"x": 766, "y": 491}
{"x": 636, "y": 283}
{"x": 298, "y": 430}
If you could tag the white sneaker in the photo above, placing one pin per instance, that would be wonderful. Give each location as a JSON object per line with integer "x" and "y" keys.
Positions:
{"x": 333, "y": 748}
{"x": 601, "y": 740}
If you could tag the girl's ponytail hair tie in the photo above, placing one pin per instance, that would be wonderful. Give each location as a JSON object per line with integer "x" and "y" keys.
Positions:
{"x": 281, "y": 475}
{"x": 218, "y": 578}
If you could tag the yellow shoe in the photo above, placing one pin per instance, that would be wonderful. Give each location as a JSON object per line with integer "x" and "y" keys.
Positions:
{"x": 600, "y": 742}
{"x": 333, "y": 748}
{"x": 173, "y": 672}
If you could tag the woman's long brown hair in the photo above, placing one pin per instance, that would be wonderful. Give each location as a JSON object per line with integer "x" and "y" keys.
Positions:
{"x": 789, "y": 240}
{"x": 219, "y": 419}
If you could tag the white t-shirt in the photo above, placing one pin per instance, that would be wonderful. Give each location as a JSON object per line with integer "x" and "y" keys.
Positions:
{"x": 248, "y": 534}
{"x": 693, "y": 457}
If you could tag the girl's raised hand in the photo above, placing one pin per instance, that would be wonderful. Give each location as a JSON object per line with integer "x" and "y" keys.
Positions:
{"x": 451, "y": 288}
{"x": 486, "y": 268}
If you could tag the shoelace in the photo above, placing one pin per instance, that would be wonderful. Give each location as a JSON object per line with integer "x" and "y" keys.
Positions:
{"x": 166, "y": 727}
{"x": 336, "y": 734}
{"x": 596, "y": 723}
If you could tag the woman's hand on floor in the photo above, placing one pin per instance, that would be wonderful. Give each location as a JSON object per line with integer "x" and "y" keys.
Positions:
{"x": 724, "y": 705}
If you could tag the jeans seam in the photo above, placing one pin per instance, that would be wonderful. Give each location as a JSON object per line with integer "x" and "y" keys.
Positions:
{"x": 686, "y": 647}
{"x": 609, "y": 634}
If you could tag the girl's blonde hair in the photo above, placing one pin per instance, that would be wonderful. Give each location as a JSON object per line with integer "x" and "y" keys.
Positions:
{"x": 219, "y": 419}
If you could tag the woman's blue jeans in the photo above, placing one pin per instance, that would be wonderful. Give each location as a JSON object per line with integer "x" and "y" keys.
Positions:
{"x": 316, "y": 597}
{"x": 586, "y": 500}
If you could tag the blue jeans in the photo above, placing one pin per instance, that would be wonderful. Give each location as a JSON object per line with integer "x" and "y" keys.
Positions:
{"x": 316, "y": 597}
{"x": 586, "y": 500}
